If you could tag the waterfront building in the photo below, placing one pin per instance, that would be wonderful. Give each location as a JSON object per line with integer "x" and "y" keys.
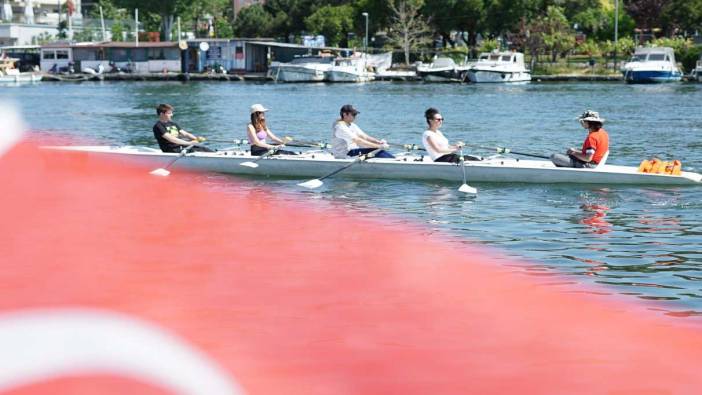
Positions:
{"x": 146, "y": 57}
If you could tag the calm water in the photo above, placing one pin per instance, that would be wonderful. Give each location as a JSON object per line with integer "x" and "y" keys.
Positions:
{"x": 644, "y": 242}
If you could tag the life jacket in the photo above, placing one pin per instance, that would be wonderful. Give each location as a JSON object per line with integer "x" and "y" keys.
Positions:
{"x": 657, "y": 166}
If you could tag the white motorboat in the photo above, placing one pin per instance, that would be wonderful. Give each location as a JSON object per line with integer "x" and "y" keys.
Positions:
{"x": 697, "y": 71}
{"x": 314, "y": 164}
{"x": 301, "y": 69}
{"x": 353, "y": 69}
{"x": 443, "y": 70}
{"x": 500, "y": 67}
{"x": 8, "y": 72}
{"x": 650, "y": 65}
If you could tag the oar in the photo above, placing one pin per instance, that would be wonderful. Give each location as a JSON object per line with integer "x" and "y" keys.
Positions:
{"x": 501, "y": 150}
{"x": 254, "y": 164}
{"x": 317, "y": 182}
{"x": 465, "y": 188}
{"x": 163, "y": 171}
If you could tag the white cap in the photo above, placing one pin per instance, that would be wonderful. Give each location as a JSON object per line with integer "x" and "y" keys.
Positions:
{"x": 258, "y": 108}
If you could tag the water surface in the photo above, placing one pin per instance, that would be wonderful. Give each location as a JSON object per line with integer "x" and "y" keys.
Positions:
{"x": 642, "y": 242}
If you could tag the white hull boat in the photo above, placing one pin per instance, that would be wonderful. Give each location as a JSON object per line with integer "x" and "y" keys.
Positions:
{"x": 499, "y": 67}
{"x": 314, "y": 164}
{"x": 21, "y": 77}
{"x": 10, "y": 74}
{"x": 350, "y": 70}
{"x": 652, "y": 65}
{"x": 443, "y": 70}
{"x": 303, "y": 69}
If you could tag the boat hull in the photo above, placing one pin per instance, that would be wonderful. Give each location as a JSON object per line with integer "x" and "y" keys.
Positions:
{"x": 298, "y": 74}
{"x": 494, "y": 76}
{"x": 410, "y": 167}
{"x": 651, "y": 76}
{"x": 21, "y": 78}
{"x": 347, "y": 76}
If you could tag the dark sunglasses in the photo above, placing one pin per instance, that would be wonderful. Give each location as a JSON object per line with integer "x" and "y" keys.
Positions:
{"x": 439, "y": 119}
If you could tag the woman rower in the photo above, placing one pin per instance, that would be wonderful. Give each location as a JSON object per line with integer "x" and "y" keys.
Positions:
{"x": 595, "y": 147}
{"x": 258, "y": 132}
{"x": 437, "y": 144}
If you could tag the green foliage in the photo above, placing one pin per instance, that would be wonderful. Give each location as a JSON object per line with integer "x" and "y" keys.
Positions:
{"x": 589, "y": 48}
{"x": 87, "y": 34}
{"x": 253, "y": 21}
{"x": 223, "y": 29}
{"x": 117, "y": 30}
{"x": 489, "y": 45}
{"x": 689, "y": 57}
{"x": 625, "y": 45}
{"x": 683, "y": 14}
{"x": 331, "y": 21}
{"x": 678, "y": 44}
{"x": 43, "y": 38}
{"x": 554, "y": 32}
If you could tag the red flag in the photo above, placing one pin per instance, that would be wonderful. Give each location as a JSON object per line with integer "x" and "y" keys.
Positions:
{"x": 115, "y": 281}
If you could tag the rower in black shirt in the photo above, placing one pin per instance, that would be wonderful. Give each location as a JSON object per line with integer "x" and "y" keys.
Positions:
{"x": 170, "y": 136}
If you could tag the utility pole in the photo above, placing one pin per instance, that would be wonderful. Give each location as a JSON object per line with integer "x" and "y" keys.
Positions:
{"x": 616, "y": 30}
{"x": 365, "y": 38}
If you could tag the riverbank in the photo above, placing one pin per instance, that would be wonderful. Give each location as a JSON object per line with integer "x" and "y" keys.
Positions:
{"x": 262, "y": 77}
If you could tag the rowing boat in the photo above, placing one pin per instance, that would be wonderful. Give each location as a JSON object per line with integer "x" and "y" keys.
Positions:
{"x": 498, "y": 169}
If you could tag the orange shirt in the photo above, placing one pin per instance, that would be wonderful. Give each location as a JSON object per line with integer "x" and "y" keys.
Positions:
{"x": 599, "y": 141}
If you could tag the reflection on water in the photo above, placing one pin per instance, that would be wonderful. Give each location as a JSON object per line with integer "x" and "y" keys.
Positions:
{"x": 639, "y": 241}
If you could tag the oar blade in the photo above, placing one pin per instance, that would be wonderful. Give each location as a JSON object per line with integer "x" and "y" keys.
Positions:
{"x": 160, "y": 172}
{"x": 311, "y": 184}
{"x": 249, "y": 164}
{"x": 465, "y": 188}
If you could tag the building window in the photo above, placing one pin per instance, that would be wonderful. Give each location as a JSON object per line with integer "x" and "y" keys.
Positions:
{"x": 62, "y": 54}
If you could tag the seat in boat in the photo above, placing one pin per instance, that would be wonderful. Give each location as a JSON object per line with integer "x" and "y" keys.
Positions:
{"x": 603, "y": 160}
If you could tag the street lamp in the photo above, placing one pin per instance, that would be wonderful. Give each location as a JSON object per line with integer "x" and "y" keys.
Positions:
{"x": 365, "y": 38}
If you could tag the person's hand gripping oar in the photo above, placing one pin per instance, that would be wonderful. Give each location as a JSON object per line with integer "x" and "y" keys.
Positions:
{"x": 253, "y": 164}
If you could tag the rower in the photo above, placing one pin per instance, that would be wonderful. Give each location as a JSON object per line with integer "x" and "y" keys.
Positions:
{"x": 257, "y": 132}
{"x": 437, "y": 144}
{"x": 595, "y": 147}
{"x": 349, "y": 140}
{"x": 171, "y": 137}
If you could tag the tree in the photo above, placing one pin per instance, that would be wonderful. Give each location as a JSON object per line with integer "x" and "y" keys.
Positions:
{"x": 646, "y": 13}
{"x": 685, "y": 15}
{"x": 253, "y": 21}
{"x": 165, "y": 9}
{"x": 459, "y": 15}
{"x": 334, "y": 22}
{"x": 408, "y": 29}
{"x": 551, "y": 33}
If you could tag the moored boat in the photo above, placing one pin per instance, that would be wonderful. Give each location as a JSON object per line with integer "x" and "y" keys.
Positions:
{"x": 697, "y": 71}
{"x": 500, "y": 67}
{"x": 443, "y": 70}
{"x": 302, "y": 69}
{"x": 407, "y": 166}
{"x": 652, "y": 65}
{"x": 8, "y": 72}
{"x": 352, "y": 69}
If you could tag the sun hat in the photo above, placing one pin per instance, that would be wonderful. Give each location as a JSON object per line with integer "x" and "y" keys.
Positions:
{"x": 591, "y": 116}
{"x": 258, "y": 108}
